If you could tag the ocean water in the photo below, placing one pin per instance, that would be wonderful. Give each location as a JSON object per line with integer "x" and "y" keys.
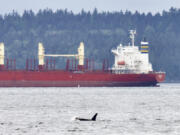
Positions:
{"x": 124, "y": 110}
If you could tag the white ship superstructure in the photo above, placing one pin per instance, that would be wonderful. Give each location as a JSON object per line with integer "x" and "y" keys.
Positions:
{"x": 131, "y": 59}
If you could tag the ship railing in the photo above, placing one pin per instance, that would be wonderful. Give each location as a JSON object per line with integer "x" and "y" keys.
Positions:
{"x": 160, "y": 72}
{"x": 123, "y": 71}
{"x": 120, "y": 71}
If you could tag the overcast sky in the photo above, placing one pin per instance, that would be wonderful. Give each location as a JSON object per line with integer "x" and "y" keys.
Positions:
{"x": 76, "y": 6}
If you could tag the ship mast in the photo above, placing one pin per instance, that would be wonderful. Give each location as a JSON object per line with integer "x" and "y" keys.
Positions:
{"x": 132, "y": 36}
{"x": 1, "y": 56}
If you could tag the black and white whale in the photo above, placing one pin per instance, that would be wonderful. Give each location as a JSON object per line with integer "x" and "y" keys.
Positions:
{"x": 83, "y": 119}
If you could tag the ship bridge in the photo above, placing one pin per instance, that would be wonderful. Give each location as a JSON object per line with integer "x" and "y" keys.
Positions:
{"x": 130, "y": 59}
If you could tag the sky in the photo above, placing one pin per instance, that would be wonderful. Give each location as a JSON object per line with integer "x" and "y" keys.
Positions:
{"x": 154, "y": 6}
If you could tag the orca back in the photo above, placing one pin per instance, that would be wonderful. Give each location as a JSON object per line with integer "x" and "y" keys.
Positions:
{"x": 94, "y": 117}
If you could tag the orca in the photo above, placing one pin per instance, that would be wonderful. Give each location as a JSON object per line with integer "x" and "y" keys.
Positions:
{"x": 83, "y": 119}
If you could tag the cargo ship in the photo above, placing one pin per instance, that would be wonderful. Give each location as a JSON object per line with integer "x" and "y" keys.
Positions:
{"x": 131, "y": 68}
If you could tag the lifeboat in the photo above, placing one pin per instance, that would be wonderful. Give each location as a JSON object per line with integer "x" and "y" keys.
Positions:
{"x": 121, "y": 63}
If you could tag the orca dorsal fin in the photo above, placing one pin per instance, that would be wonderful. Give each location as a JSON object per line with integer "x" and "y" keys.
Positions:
{"x": 94, "y": 117}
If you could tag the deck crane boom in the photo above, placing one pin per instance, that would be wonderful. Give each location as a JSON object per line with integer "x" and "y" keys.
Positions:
{"x": 79, "y": 56}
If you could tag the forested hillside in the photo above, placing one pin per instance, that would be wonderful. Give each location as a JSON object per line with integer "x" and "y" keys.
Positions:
{"x": 62, "y": 31}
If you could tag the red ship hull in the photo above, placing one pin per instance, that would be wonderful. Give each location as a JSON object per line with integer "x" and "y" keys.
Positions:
{"x": 60, "y": 78}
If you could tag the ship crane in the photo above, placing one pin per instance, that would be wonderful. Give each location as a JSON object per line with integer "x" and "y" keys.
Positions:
{"x": 79, "y": 55}
{"x": 1, "y": 56}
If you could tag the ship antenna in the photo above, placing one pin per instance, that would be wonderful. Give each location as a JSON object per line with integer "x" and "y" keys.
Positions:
{"x": 132, "y": 36}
